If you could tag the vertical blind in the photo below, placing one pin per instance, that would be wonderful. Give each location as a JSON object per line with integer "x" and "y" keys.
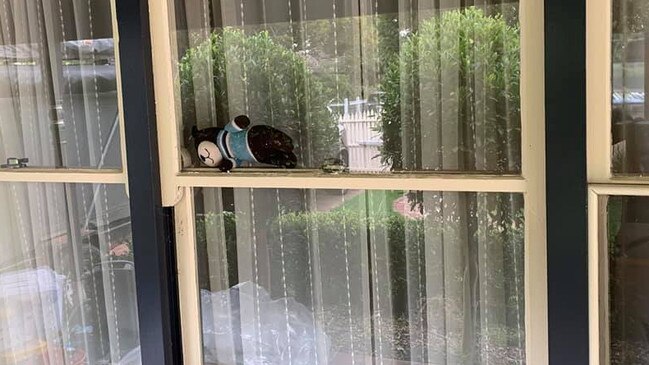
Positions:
{"x": 361, "y": 276}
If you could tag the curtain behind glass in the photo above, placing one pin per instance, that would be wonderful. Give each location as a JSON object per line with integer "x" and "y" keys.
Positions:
{"x": 458, "y": 71}
{"x": 67, "y": 284}
{"x": 57, "y": 84}
{"x": 361, "y": 277}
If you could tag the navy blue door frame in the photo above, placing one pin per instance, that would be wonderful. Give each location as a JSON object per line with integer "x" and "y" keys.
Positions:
{"x": 565, "y": 83}
{"x": 566, "y": 182}
{"x": 152, "y": 225}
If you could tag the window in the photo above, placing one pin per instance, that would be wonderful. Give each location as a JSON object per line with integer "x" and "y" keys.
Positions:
{"x": 617, "y": 183}
{"x": 66, "y": 271}
{"x": 405, "y": 221}
{"x": 346, "y": 275}
{"x": 66, "y": 278}
{"x": 368, "y": 86}
{"x": 626, "y": 226}
{"x": 617, "y": 261}
{"x": 59, "y": 67}
{"x": 628, "y": 87}
{"x": 425, "y": 146}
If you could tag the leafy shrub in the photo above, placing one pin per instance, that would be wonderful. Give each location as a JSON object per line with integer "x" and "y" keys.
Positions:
{"x": 458, "y": 74}
{"x": 341, "y": 235}
{"x": 272, "y": 86}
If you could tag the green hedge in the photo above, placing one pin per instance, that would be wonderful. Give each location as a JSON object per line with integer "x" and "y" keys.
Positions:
{"x": 279, "y": 88}
{"x": 481, "y": 53}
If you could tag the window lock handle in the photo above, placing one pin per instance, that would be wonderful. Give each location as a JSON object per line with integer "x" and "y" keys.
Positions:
{"x": 15, "y": 163}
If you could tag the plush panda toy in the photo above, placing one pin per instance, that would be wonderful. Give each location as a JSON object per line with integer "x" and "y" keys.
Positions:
{"x": 227, "y": 148}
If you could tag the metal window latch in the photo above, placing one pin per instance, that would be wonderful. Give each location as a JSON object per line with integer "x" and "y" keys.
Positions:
{"x": 15, "y": 163}
{"x": 334, "y": 166}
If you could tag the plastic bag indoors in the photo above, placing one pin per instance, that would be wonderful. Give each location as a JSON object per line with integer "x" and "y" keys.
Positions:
{"x": 242, "y": 325}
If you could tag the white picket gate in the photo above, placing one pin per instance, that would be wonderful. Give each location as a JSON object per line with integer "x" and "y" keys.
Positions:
{"x": 362, "y": 141}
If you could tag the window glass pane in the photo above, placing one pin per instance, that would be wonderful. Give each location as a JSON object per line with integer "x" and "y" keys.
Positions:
{"x": 58, "y": 97}
{"x": 628, "y": 248}
{"x": 374, "y": 86}
{"x": 360, "y": 277}
{"x": 630, "y": 128}
{"x": 67, "y": 285}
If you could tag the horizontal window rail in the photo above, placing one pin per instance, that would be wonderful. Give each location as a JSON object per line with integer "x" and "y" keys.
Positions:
{"x": 424, "y": 182}
{"x": 62, "y": 175}
{"x": 616, "y": 189}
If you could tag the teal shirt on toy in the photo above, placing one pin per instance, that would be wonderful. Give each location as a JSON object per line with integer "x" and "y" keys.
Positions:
{"x": 232, "y": 141}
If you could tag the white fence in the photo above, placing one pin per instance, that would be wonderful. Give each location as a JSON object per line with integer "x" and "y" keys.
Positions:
{"x": 362, "y": 141}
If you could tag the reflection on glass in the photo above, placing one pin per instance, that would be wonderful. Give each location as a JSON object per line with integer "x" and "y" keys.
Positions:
{"x": 58, "y": 97}
{"x": 67, "y": 285}
{"x": 628, "y": 238}
{"x": 360, "y": 277}
{"x": 377, "y": 86}
{"x": 630, "y": 128}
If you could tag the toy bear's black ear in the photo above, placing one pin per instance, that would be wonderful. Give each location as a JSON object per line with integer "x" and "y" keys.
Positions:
{"x": 242, "y": 121}
{"x": 207, "y": 134}
{"x": 194, "y": 133}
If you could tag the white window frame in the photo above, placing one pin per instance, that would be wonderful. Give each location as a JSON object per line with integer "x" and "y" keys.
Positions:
{"x": 602, "y": 183}
{"x": 598, "y": 92}
{"x": 177, "y": 185}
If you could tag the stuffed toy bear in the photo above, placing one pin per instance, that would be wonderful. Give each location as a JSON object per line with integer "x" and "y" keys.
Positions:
{"x": 227, "y": 148}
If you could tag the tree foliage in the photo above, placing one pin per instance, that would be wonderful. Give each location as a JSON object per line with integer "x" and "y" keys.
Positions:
{"x": 454, "y": 86}
{"x": 254, "y": 74}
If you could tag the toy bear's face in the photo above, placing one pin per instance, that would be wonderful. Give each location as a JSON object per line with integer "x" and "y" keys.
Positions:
{"x": 209, "y": 154}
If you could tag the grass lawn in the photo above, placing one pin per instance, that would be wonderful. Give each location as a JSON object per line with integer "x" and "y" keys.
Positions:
{"x": 378, "y": 200}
